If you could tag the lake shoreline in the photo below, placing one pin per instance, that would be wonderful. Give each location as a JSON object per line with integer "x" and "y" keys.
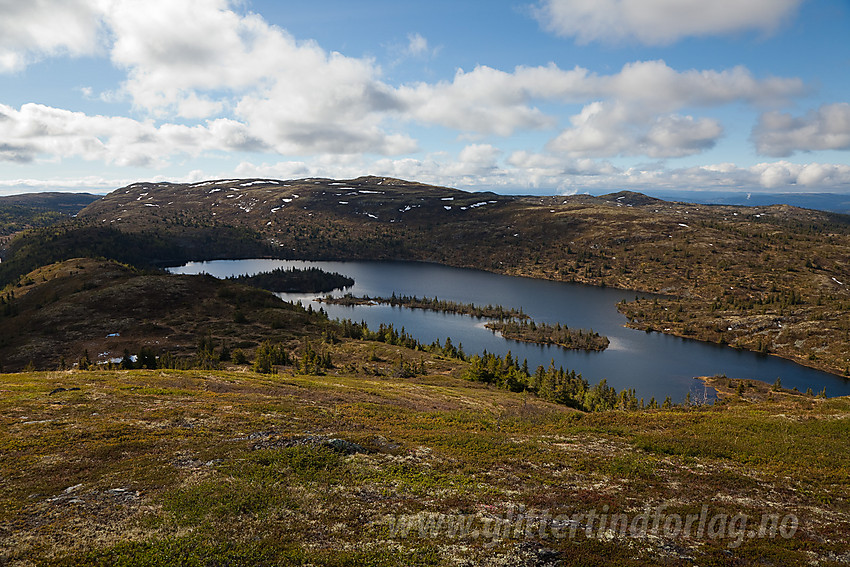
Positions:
{"x": 589, "y": 283}
{"x": 462, "y": 284}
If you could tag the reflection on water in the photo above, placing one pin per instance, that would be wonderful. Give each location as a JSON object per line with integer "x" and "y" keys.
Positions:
{"x": 655, "y": 365}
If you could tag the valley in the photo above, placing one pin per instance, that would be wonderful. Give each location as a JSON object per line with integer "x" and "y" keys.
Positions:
{"x": 161, "y": 418}
{"x": 769, "y": 279}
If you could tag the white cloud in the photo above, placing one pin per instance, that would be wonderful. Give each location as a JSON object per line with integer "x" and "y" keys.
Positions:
{"x": 194, "y": 106}
{"x": 172, "y": 49}
{"x": 676, "y": 135}
{"x": 783, "y": 174}
{"x": 657, "y": 86}
{"x": 660, "y": 22}
{"x": 417, "y": 45}
{"x": 333, "y": 104}
{"x": 605, "y": 130}
{"x": 780, "y": 134}
{"x": 37, "y": 131}
{"x": 548, "y": 171}
{"x": 478, "y": 159}
{"x": 778, "y": 176}
{"x": 491, "y": 101}
{"x": 33, "y": 29}
{"x": 773, "y": 175}
{"x": 485, "y": 100}
{"x": 198, "y": 58}
{"x": 280, "y": 170}
{"x": 209, "y": 77}
{"x": 823, "y": 175}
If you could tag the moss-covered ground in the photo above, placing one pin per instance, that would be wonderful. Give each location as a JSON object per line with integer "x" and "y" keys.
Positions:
{"x": 235, "y": 468}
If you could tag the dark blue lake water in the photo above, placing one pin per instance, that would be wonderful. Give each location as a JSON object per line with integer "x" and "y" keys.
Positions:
{"x": 654, "y": 364}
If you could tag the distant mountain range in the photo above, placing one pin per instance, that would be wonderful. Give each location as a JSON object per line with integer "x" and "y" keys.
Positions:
{"x": 67, "y": 203}
{"x": 31, "y": 210}
{"x": 833, "y": 202}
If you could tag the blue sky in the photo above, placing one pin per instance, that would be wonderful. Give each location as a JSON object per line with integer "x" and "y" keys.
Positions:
{"x": 524, "y": 96}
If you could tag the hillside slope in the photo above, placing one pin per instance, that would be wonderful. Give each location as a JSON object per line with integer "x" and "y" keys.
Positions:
{"x": 772, "y": 279}
{"x": 233, "y": 468}
{"x": 18, "y": 212}
{"x": 65, "y": 203}
{"x": 61, "y": 311}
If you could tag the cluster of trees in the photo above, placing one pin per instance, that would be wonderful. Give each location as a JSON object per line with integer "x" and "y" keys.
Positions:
{"x": 442, "y": 305}
{"x": 408, "y": 369}
{"x": 773, "y": 299}
{"x": 314, "y": 362}
{"x": 309, "y": 280}
{"x": 384, "y": 334}
{"x": 544, "y": 333}
{"x": 503, "y": 372}
{"x": 390, "y": 335}
{"x": 8, "y": 303}
{"x": 268, "y": 356}
{"x": 555, "y": 384}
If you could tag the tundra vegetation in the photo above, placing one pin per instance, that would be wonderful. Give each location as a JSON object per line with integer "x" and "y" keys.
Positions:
{"x": 230, "y": 466}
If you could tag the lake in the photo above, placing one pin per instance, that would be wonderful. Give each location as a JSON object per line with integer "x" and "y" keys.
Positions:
{"x": 654, "y": 364}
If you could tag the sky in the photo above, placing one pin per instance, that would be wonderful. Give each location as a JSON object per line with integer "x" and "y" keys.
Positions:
{"x": 511, "y": 96}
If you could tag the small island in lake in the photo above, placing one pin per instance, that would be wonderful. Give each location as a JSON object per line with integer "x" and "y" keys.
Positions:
{"x": 308, "y": 280}
{"x": 546, "y": 334}
{"x": 511, "y": 323}
{"x": 431, "y": 304}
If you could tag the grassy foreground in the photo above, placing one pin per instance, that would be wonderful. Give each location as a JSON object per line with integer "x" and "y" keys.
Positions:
{"x": 236, "y": 468}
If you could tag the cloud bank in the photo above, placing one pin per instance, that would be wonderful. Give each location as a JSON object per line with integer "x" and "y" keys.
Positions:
{"x": 828, "y": 128}
{"x": 206, "y": 79}
{"x": 660, "y": 22}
